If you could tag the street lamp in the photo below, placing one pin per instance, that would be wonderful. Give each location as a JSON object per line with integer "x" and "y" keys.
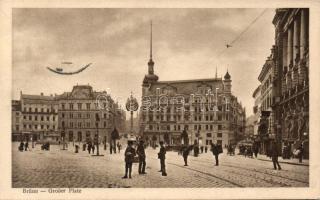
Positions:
{"x": 96, "y": 137}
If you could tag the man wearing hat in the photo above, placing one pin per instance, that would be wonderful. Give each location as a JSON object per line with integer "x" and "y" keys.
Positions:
{"x": 129, "y": 156}
{"x": 162, "y": 157}
{"x": 142, "y": 158}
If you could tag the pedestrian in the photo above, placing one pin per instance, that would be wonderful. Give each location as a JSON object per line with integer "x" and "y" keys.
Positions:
{"x": 201, "y": 148}
{"x": 300, "y": 153}
{"x": 21, "y": 146}
{"x": 119, "y": 147}
{"x": 274, "y": 155}
{"x": 89, "y": 147}
{"x": 256, "y": 150}
{"x": 142, "y": 157}
{"x": 162, "y": 157}
{"x": 215, "y": 152}
{"x": 128, "y": 158}
{"x": 26, "y": 146}
{"x": 185, "y": 154}
{"x": 92, "y": 148}
{"x": 111, "y": 148}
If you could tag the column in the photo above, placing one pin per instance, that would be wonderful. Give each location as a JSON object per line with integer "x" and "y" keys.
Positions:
{"x": 285, "y": 49}
{"x": 296, "y": 38}
{"x": 290, "y": 38}
{"x": 303, "y": 32}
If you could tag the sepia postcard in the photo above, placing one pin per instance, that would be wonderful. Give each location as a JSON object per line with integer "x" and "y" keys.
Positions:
{"x": 159, "y": 100}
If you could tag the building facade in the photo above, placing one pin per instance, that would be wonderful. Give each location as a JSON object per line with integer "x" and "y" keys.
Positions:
{"x": 83, "y": 113}
{"x": 256, "y": 110}
{"x": 267, "y": 94}
{"x": 205, "y": 108}
{"x": 16, "y": 120}
{"x": 39, "y": 117}
{"x": 291, "y": 105}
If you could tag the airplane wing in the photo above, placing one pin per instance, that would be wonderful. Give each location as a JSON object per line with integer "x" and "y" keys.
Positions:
{"x": 69, "y": 73}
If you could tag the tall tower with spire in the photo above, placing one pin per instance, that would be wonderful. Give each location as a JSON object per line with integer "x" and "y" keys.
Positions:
{"x": 150, "y": 77}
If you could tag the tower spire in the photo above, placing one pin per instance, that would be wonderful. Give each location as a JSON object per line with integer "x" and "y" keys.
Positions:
{"x": 216, "y": 72}
{"x": 151, "y": 40}
{"x": 150, "y": 63}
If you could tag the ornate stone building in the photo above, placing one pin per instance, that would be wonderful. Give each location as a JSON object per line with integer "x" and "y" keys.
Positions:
{"x": 291, "y": 106}
{"x": 267, "y": 90}
{"x": 84, "y": 113}
{"x": 205, "y": 108}
{"x": 256, "y": 109}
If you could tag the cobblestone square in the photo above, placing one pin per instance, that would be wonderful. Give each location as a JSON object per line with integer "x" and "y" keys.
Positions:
{"x": 64, "y": 168}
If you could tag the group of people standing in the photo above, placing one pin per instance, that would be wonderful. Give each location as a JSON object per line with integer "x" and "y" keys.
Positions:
{"x": 131, "y": 152}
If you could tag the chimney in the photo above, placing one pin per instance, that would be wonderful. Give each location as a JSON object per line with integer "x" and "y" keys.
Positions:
{"x": 41, "y": 93}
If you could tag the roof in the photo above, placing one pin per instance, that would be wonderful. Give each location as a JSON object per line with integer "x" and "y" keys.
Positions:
{"x": 37, "y": 97}
{"x": 190, "y": 80}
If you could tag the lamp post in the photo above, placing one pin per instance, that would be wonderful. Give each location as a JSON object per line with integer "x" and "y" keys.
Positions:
{"x": 96, "y": 137}
{"x": 131, "y": 105}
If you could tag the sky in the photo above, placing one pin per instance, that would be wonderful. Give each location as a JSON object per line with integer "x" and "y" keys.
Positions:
{"x": 187, "y": 44}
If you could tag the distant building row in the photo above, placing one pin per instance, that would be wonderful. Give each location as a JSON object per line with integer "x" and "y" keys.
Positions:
{"x": 71, "y": 116}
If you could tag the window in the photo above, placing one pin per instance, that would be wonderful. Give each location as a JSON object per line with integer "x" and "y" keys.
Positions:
{"x": 30, "y": 110}
{"x": 36, "y": 110}
{"x": 48, "y": 126}
{"x": 79, "y": 124}
{"x": 219, "y": 142}
{"x": 105, "y": 115}
{"x": 219, "y": 127}
{"x": 199, "y": 127}
{"x": 29, "y": 126}
{"x": 71, "y": 106}
{"x": 62, "y": 115}
{"x": 79, "y": 115}
{"x": 36, "y": 118}
{"x": 30, "y": 117}
{"x": 209, "y": 135}
{"x": 88, "y": 124}
{"x": 54, "y": 118}
{"x": 207, "y": 118}
{"x": 24, "y": 117}
{"x": 36, "y": 126}
{"x": 211, "y": 127}
{"x": 24, "y": 126}
{"x": 63, "y": 106}
{"x": 186, "y": 127}
{"x": 88, "y": 106}
{"x": 150, "y": 127}
{"x": 88, "y": 115}
{"x": 41, "y": 109}
{"x": 17, "y": 127}
{"x": 195, "y": 127}
{"x": 48, "y": 118}
{"x": 104, "y": 124}
{"x": 79, "y": 106}
{"x": 211, "y": 117}
{"x": 168, "y": 127}
{"x": 178, "y": 127}
{"x": 219, "y": 117}
{"x": 48, "y": 110}
{"x": 54, "y": 127}
{"x": 207, "y": 127}
{"x": 71, "y": 124}
{"x": 219, "y": 135}
{"x": 42, "y": 127}
{"x": 71, "y": 115}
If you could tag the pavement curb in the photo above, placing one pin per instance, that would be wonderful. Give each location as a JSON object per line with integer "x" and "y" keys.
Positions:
{"x": 290, "y": 163}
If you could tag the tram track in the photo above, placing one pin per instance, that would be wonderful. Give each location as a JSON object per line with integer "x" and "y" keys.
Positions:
{"x": 257, "y": 171}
